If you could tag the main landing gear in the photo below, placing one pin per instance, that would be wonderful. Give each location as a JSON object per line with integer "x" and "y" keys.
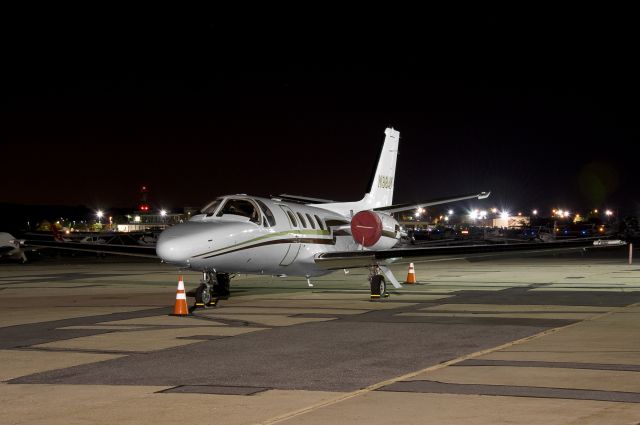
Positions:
{"x": 213, "y": 287}
{"x": 377, "y": 284}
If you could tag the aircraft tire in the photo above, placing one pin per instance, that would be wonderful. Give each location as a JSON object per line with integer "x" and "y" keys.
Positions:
{"x": 378, "y": 285}
{"x": 203, "y": 295}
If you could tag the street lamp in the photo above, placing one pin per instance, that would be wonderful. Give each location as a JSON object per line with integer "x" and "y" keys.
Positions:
{"x": 99, "y": 214}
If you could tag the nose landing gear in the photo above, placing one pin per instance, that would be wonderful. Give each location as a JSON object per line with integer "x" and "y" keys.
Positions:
{"x": 213, "y": 287}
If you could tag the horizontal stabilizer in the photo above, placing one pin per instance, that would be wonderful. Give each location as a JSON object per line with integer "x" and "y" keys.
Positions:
{"x": 409, "y": 206}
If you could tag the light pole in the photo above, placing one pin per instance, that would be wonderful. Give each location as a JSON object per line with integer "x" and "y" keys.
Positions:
{"x": 163, "y": 214}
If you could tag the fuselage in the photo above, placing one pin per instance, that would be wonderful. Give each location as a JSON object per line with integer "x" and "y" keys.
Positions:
{"x": 246, "y": 234}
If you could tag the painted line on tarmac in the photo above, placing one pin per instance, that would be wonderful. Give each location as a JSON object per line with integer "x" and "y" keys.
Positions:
{"x": 376, "y": 386}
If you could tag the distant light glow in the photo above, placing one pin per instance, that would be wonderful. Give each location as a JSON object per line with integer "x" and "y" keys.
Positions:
{"x": 450, "y": 212}
{"x": 609, "y": 212}
{"x": 163, "y": 213}
{"x": 535, "y": 212}
{"x": 99, "y": 213}
{"x": 504, "y": 214}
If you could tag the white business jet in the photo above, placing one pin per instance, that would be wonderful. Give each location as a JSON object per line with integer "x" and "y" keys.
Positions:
{"x": 299, "y": 236}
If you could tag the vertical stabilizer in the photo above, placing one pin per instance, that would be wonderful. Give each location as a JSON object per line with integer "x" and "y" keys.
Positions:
{"x": 381, "y": 190}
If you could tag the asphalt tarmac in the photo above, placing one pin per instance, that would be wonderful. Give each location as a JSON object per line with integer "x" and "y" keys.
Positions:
{"x": 538, "y": 340}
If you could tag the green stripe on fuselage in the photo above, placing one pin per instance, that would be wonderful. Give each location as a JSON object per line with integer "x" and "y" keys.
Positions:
{"x": 268, "y": 236}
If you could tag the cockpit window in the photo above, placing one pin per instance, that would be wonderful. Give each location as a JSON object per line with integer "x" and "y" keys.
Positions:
{"x": 241, "y": 207}
{"x": 270, "y": 219}
{"x": 211, "y": 207}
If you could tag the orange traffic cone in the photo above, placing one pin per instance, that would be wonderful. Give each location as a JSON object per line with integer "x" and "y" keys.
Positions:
{"x": 180, "y": 308}
{"x": 411, "y": 276}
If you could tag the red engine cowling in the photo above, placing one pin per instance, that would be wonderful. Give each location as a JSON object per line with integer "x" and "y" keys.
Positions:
{"x": 374, "y": 230}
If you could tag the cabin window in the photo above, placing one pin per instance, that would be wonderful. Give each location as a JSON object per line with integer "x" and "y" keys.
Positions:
{"x": 211, "y": 207}
{"x": 302, "y": 221}
{"x": 294, "y": 223}
{"x": 268, "y": 215}
{"x": 241, "y": 207}
{"x": 320, "y": 224}
{"x": 313, "y": 225}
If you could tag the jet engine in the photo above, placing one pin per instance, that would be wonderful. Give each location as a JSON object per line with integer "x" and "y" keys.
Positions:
{"x": 375, "y": 230}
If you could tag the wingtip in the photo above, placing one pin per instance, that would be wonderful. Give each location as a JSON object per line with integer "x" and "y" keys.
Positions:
{"x": 484, "y": 195}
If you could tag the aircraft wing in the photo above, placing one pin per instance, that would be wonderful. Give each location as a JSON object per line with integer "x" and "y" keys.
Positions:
{"x": 409, "y": 206}
{"x": 128, "y": 250}
{"x": 354, "y": 259}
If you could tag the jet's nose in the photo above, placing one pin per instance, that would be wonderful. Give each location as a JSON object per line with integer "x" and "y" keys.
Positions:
{"x": 174, "y": 245}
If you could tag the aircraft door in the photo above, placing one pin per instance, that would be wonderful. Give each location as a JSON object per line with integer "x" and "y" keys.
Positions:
{"x": 294, "y": 247}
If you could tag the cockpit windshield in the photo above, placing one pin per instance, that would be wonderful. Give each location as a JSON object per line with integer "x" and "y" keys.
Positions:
{"x": 269, "y": 219}
{"x": 211, "y": 207}
{"x": 241, "y": 207}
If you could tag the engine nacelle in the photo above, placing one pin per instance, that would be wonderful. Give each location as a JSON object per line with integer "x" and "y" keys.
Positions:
{"x": 375, "y": 230}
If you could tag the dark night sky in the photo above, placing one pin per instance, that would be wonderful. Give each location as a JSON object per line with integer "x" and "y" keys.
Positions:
{"x": 542, "y": 113}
